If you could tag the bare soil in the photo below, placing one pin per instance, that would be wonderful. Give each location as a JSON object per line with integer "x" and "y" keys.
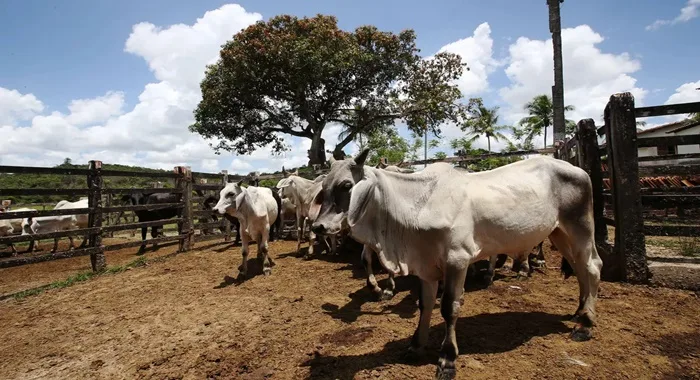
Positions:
{"x": 184, "y": 318}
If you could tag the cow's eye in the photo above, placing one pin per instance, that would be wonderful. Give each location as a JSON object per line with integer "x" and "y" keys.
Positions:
{"x": 347, "y": 185}
{"x": 229, "y": 195}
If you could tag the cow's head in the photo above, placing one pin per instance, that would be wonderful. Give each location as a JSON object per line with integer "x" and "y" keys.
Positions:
{"x": 343, "y": 196}
{"x": 227, "y": 198}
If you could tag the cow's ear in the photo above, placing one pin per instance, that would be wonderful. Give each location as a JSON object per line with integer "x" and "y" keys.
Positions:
{"x": 240, "y": 183}
{"x": 315, "y": 206}
{"x": 360, "y": 159}
{"x": 360, "y": 195}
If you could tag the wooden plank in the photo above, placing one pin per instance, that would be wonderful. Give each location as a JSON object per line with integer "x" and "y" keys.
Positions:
{"x": 668, "y": 141}
{"x": 148, "y": 190}
{"x": 668, "y": 109}
{"x": 629, "y": 223}
{"x": 115, "y": 247}
{"x": 41, "y": 170}
{"x": 20, "y": 192}
{"x": 671, "y": 230}
{"x": 609, "y": 221}
{"x": 94, "y": 183}
{"x": 207, "y": 225}
{"x": 48, "y": 235}
{"x": 669, "y": 170}
{"x": 37, "y": 213}
{"x": 131, "y": 226}
{"x": 666, "y": 157}
{"x": 151, "y": 207}
{"x": 670, "y": 200}
{"x": 125, "y": 173}
{"x": 184, "y": 184}
{"x": 31, "y": 259}
{"x": 590, "y": 162}
{"x": 199, "y": 238}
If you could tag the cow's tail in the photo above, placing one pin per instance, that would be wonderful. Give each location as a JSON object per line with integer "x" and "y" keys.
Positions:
{"x": 566, "y": 269}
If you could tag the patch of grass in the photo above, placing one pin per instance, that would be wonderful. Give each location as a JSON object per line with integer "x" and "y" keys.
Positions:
{"x": 689, "y": 246}
{"x": 80, "y": 277}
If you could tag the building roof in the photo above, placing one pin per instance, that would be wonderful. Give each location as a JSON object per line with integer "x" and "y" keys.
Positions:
{"x": 674, "y": 127}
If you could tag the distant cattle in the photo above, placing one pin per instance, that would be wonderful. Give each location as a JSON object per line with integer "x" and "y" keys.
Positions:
{"x": 256, "y": 210}
{"x": 14, "y": 226}
{"x": 433, "y": 224}
{"x": 142, "y": 198}
{"x": 56, "y": 223}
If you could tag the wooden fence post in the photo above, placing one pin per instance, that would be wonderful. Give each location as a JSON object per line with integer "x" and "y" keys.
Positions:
{"x": 589, "y": 160}
{"x": 225, "y": 223}
{"x": 94, "y": 182}
{"x": 110, "y": 219}
{"x": 629, "y": 225}
{"x": 184, "y": 183}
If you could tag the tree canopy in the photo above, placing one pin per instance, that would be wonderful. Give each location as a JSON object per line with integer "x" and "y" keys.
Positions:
{"x": 293, "y": 76}
{"x": 540, "y": 116}
{"x": 483, "y": 121}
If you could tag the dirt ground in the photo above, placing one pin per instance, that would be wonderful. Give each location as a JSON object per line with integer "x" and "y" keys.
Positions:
{"x": 183, "y": 318}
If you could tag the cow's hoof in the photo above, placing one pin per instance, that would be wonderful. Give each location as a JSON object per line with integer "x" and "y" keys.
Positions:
{"x": 445, "y": 373}
{"x": 581, "y": 333}
{"x": 386, "y": 295}
{"x": 522, "y": 276}
{"x": 413, "y": 354}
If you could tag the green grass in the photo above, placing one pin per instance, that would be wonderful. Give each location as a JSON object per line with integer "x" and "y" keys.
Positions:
{"x": 685, "y": 246}
{"x": 80, "y": 277}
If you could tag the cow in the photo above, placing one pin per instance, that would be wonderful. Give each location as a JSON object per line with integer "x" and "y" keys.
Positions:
{"x": 12, "y": 226}
{"x": 48, "y": 224}
{"x": 301, "y": 191}
{"x": 256, "y": 210}
{"x": 142, "y": 198}
{"x": 434, "y": 223}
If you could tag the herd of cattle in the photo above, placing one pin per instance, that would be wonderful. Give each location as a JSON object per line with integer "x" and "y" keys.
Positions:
{"x": 434, "y": 224}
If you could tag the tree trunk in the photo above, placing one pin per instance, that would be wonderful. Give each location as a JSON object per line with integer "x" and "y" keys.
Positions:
{"x": 546, "y": 125}
{"x": 558, "y": 88}
{"x": 317, "y": 153}
{"x": 488, "y": 142}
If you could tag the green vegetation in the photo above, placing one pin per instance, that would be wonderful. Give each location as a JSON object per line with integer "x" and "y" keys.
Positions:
{"x": 80, "y": 277}
{"x": 683, "y": 245}
{"x": 483, "y": 121}
{"x": 540, "y": 116}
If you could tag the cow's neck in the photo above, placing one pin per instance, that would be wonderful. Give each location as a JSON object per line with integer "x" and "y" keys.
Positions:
{"x": 398, "y": 203}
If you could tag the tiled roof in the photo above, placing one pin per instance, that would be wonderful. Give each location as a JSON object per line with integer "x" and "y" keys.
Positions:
{"x": 662, "y": 182}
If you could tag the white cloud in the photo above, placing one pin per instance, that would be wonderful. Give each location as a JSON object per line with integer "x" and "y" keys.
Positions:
{"x": 477, "y": 52}
{"x": 685, "y": 93}
{"x": 591, "y": 76}
{"x": 87, "y": 111}
{"x": 17, "y": 107}
{"x": 690, "y": 11}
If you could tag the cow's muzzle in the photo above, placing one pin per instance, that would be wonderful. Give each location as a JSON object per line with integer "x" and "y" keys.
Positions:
{"x": 318, "y": 228}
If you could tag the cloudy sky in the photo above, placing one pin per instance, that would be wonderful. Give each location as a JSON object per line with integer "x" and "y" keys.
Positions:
{"x": 117, "y": 81}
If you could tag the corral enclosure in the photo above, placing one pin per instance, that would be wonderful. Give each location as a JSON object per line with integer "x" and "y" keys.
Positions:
{"x": 178, "y": 313}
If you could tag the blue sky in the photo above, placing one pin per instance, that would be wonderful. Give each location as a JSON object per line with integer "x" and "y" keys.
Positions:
{"x": 59, "y": 52}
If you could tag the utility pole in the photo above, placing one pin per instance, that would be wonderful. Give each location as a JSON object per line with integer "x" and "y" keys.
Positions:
{"x": 558, "y": 88}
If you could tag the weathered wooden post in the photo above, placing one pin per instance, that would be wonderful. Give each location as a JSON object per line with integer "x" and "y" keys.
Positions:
{"x": 225, "y": 223}
{"x": 589, "y": 160}
{"x": 624, "y": 164}
{"x": 184, "y": 183}
{"x": 94, "y": 182}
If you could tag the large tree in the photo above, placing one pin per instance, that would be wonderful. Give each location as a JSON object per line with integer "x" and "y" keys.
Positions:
{"x": 540, "y": 116}
{"x": 294, "y": 76}
{"x": 483, "y": 121}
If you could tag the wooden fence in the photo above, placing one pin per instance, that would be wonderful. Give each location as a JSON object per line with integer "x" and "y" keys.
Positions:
{"x": 626, "y": 259}
{"x": 192, "y": 187}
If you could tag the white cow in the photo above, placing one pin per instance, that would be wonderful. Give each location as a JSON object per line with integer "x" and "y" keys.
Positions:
{"x": 434, "y": 223}
{"x": 48, "y": 224}
{"x": 301, "y": 191}
{"x": 256, "y": 210}
{"x": 12, "y": 226}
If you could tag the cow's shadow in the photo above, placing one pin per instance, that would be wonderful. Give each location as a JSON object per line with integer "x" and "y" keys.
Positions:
{"x": 255, "y": 269}
{"x": 479, "y": 334}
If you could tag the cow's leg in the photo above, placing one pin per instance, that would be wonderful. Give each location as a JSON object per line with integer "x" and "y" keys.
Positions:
{"x": 488, "y": 277}
{"x": 245, "y": 239}
{"x": 449, "y": 308}
{"x": 71, "y": 246}
{"x": 142, "y": 248}
{"x": 540, "y": 261}
{"x": 426, "y": 302}
{"x": 300, "y": 231}
{"x": 55, "y": 245}
{"x": 312, "y": 243}
{"x": 263, "y": 251}
{"x": 587, "y": 266}
{"x": 85, "y": 241}
{"x": 334, "y": 244}
{"x": 155, "y": 230}
{"x": 523, "y": 266}
{"x": 367, "y": 263}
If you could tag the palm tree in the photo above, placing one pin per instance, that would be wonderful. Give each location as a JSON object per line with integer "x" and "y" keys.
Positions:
{"x": 540, "y": 116}
{"x": 558, "y": 89}
{"x": 484, "y": 122}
